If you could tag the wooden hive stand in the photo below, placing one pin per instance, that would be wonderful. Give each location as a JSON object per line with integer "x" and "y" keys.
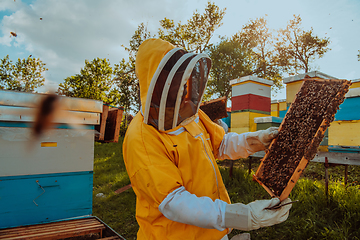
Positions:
{"x": 77, "y": 228}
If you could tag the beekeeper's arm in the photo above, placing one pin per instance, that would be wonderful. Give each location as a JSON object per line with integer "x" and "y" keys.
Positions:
{"x": 235, "y": 146}
{"x": 182, "y": 206}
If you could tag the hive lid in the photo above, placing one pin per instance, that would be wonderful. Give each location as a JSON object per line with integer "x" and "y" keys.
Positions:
{"x": 251, "y": 78}
{"x": 310, "y": 74}
{"x": 269, "y": 119}
{"x": 31, "y": 100}
{"x": 353, "y": 92}
{"x": 23, "y": 107}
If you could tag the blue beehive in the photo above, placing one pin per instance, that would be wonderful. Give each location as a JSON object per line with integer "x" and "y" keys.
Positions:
{"x": 51, "y": 178}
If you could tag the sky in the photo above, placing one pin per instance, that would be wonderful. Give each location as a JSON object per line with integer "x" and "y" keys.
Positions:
{"x": 65, "y": 33}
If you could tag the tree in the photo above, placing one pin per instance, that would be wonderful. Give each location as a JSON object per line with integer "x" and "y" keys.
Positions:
{"x": 196, "y": 34}
{"x": 125, "y": 79}
{"x": 298, "y": 48}
{"x": 141, "y": 34}
{"x": 95, "y": 81}
{"x": 25, "y": 75}
{"x": 258, "y": 39}
{"x": 6, "y": 76}
{"x": 230, "y": 60}
{"x": 127, "y": 85}
{"x": 193, "y": 36}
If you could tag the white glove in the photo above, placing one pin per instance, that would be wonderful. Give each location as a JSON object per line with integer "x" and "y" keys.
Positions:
{"x": 260, "y": 140}
{"x": 254, "y": 215}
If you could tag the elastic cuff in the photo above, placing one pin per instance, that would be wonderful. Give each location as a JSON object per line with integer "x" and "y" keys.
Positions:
{"x": 237, "y": 216}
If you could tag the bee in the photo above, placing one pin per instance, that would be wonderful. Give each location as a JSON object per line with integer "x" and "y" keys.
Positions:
{"x": 45, "y": 115}
{"x": 13, "y": 34}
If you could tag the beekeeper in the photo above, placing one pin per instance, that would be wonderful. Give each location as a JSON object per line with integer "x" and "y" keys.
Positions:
{"x": 170, "y": 151}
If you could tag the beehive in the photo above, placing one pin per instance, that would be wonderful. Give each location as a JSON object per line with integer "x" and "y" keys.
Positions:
{"x": 300, "y": 133}
{"x": 110, "y": 122}
{"x": 250, "y": 98}
{"x": 263, "y": 123}
{"x": 278, "y": 107}
{"x": 47, "y": 180}
{"x": 347, "y": 120}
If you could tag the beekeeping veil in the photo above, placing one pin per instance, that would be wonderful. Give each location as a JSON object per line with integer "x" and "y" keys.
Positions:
{"x": 172, "y": 82}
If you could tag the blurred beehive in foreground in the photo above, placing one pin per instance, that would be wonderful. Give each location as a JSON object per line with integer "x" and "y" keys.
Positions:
{"x": 47, "y": 178}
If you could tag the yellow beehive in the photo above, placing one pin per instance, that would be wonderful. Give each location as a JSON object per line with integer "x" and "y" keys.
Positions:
{"x": 337, "y": 130}
{"x": 244, "y": 121}
{"x": 294, "y": 83}
{"x": 277, "y": 106}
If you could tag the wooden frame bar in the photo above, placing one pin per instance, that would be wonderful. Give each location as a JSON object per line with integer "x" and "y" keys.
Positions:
{"x": 215, "y": 109}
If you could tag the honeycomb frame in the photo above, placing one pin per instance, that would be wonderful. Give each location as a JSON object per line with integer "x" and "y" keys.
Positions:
{"x": 308, "y": 117}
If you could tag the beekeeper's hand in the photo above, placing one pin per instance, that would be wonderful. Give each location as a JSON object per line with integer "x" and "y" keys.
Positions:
{"x": 260, "y": 140}
{"x": 254, "y": 215}
{"x": 185, "y": 207}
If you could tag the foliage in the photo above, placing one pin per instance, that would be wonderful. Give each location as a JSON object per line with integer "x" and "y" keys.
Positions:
{"x": 125, "y": 77}
{"x": 25, "y": 75}
{"x": 127, "y": 84}
{"x": 125, "y": 123}
{"x": 98, "y": 80}
{"x": 196, "y": 34}
{"x": 230, "y": 60}
{"x": 6, "y": 77}
{"x": 140, "y": 35}
{"x": 298, "y": 48}
{"x": 254, "y": 50}
{"x": 94, "y": 82}
{"x": 257, "y": 37}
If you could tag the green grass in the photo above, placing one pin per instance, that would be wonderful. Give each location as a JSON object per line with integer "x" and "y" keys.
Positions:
{"x": 116, "y": 210}
{"x": 315, "y": 216}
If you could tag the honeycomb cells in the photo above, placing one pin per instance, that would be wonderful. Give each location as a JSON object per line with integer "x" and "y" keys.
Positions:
{"x": 316, "y": 101}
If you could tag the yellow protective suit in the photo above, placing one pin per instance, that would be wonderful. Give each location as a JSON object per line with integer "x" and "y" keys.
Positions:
{"x": 158, "y": 162}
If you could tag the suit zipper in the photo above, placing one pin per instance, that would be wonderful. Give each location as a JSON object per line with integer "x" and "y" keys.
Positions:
{"x": 217, "y": 182}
